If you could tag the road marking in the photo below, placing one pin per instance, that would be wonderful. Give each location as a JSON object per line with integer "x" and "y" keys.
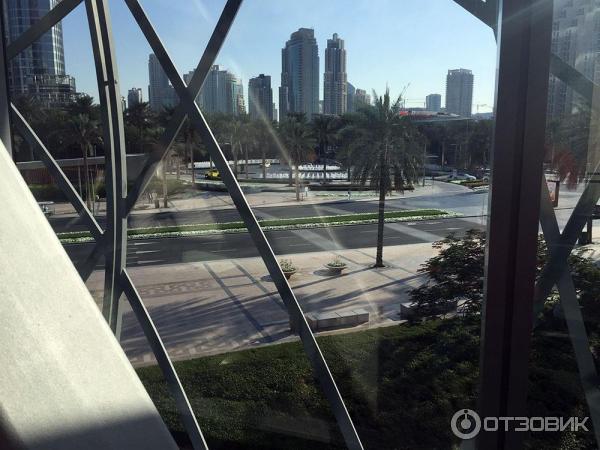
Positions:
{"x": 368, "y": 231}
{"x": 139, "y": 252}
{"x": 150, "y": 261}
{"x": 140, "y": 243}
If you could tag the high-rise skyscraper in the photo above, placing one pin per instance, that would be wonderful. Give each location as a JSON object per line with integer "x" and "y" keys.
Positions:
{"x": 575, "y": 40}
{"x": 134, "y": 97}
{"x": 39, "y": 70}
{"x": 260, "y": 98}
{"x": 459, "y": 92}
{"x": 335, "y": 79}
{"x": 361, "y": 98}
{"x": 350, "y": 98}
{"x": 221, "y": 92}
{"x": 433, "y": 102}
{"x": 299, "y": 91}
{"x": 275, "y": 114}
{"x": 160, "y": 93}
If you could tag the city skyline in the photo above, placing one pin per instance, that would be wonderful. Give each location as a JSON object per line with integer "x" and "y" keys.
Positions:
{"x": 372, "y": 63}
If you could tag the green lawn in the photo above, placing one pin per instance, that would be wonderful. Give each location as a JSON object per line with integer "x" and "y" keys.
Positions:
{"x": 299, "y": 222}
{"x": 401, "y": 384}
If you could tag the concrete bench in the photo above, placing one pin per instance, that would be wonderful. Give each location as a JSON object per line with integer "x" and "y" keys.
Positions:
{"x": 338, "y": 319}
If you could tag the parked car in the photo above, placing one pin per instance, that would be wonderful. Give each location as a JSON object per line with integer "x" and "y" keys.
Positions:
{"x": 212, "y": 174}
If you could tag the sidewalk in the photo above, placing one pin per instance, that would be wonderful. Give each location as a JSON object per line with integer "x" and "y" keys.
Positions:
{"x": 221, "y": 306}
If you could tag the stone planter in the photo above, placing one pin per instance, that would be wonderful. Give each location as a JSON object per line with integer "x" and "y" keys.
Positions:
{"x": 336, "y": 270}
{"x": 289, "y": 274}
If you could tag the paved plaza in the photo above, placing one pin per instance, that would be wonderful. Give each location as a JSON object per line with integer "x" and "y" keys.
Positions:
{"x": 220, "y": 306}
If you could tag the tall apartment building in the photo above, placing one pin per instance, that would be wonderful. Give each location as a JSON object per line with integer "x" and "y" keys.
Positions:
{"x": 459, "y": 92}
{"x": 361, "y": 98}
{"x": 134, "y": 97}
{"x": 433, "y": 102}
{"x": 350, "y": 98}
{"x": 335, "y": 79}
{"x": 576, "y": 40}
{"x": 222, "y": 92}
{"x": 39, "y": 70}
{"x": 160, "y": 92}
{"x": 260, "y": 97}
{"x": 299, "y": 91}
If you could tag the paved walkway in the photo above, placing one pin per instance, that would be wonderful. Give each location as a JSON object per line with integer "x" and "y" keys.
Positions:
{"x": 220, "y": 306}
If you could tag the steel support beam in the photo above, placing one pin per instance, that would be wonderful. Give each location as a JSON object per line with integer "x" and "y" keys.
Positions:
{"x": 311, "y": 347}
{"x": 5, "y": 134}
{"x": 115, "y": 236}
{"x": 57, "y": 174}
{"x": 524, "y": 35}
{"x": 208, "y": 57}
{"x": 51, "y": 18}
{"x": 573, "y": 317}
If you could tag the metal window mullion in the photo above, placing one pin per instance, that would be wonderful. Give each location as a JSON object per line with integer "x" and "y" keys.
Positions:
{"x": 115, "y": 239}
{"x": 5, "y": 134}
{"x": 311, "y": 347}
{"x": 524, "y": 35}
{"x": 206, "y": 61}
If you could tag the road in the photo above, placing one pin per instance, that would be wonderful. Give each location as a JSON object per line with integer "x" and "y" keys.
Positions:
{"x": 467, "y": 203}
{"x": 226, "y": 246}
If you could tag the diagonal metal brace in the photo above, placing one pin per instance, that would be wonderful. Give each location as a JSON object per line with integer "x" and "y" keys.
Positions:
{"x": 59, "y": 176}
{"x": 34, "y": 32}
{"x": 573, "y": 317}
{"x": 319, "y": 365}
{"x": 162, "y": 357}
{"x": 208, "y": 57}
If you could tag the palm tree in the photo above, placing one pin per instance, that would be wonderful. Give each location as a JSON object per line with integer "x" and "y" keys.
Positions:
{"x": 235, "y": 130}
{"x": 141, "y": 118}
{"x": 84, "y": 133}
{"x": 263, "y": 139}
{"x": 325, "y": 130}
{"x": 382, "y": 149}
{"x": 299, "y": 141}
{"x": 190, "y": 137}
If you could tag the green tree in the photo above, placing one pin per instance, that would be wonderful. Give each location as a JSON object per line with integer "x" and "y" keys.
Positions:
{"x": 141, "y": 119}
{"x": 297, "y": 138}
{"x": 84, "y": 135}
{"x": 382, "y": 147}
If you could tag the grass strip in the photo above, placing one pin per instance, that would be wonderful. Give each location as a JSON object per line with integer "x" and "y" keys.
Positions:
{"x": 268, "y": 224}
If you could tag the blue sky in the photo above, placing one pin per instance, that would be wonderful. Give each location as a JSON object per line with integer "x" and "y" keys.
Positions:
{"x": 389, "y": 42}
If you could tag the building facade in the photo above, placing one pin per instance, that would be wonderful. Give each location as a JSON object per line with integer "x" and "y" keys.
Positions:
{"x": 222, "y": 92}
{"x": 134, "y": 97}
{"x": 433, "y": 102}
{"x": 459, "y": 92}
{"x": 39, "y": 70}
{"x": 260, "y": 97}
{"x": 299, "y": 91}
{"x": 335, "y": 78}
{"x": 160, "y": 92}
{"x": 575, "y": 40}
{"x": 361, "y": 98}
{"x": 350, "y": 98}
